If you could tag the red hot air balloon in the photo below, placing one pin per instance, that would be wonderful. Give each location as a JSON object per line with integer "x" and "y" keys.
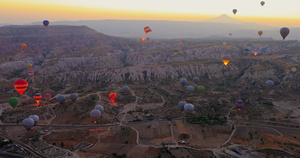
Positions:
{"x": 147, "y": 29}
{"x": 23, "y": 46}
{"x": 180, "y": 41}
{"x": 37, "y": 97}
{"x": 47, "y": 97}
{"x": 113, "y": 96}
{"x": 30, "y": 73}
{"x": 260, "y": 33}
{"x": 21, "y": 85}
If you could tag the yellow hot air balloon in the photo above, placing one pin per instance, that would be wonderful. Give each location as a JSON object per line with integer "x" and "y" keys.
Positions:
{"x": 224, "y": 44}
{"x": 226, "y": 59}
{"x": 294, "y": 69}
{"x": 29, "y": 65}
{"x": 143, "y": 38}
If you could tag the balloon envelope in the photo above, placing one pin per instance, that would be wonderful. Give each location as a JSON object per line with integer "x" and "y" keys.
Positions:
{"x": 262, "y": 3}
{"x": 260, "y": 33}
{"x": 188, "y": 108}
{"x": 181, "y": 104}
{"x": 269, "y": 83}
{"x": 30, "y": 73}
{"x": 73, "y": 97}
{"x": 200, "y": 89}
{"x": 13, "y": 101}
{"x": 183, "y": 81}
{"x": 47, "y": 97}
{"x": 255, "y": 52}
{"x": 112, "y": 96}
{"x": 284, "y": 32}
{"x": 29, "y": 65}
{"x": 126, "y": 89}
{"x": 147, "y": 29}
{"x": 23, "y": 46}
{"x": 35, "y": 119}
{"x": 28, "y": 123}
{"x": 37, "y": 97}
{"x": 234, "y": 11}
{"x": 95, "y": 114}
{"x": 99, "y": 107}
{"x": 226, "y": 59}
{"x": 196, "y": 80}
{"x": 239, "y": 104}
{"x": 190, "y": 88}
{"x": 21, "y": 85}
{"x": 61, "y": 99}
{"x": 294, "y": 69}
{"x": 143, "y": 38}
{"x": 224, "y": 44}
{"x": 46, "y": 23}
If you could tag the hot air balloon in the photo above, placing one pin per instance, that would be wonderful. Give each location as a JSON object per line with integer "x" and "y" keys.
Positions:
{"x": 255, "y": 52}
{"x": 47, "y": 97}
{"x": 226, "y": 59}
{"x": 21, "y": 85}
{"x": 294, "y": 69}
{"x": 100, "y": 108}
{"x": 73, "y": 97}
{"x": 28, "y": 123}
{"x": 183, "y": 81}
{"x": 37, "y": 97}
{"x": 23, "y": 99}
{"x": 284, "y": 32}
{"x": 239, "y": 104}
{"x": 264, "y": 49}
{"x": 46, "y": 23}
{"x": 61, "y": 99}
{"x": 230, "y": 34}
{"x": 23, "y": 46}
{"x": 143, "y": 38}
{"x": 245, "y": 46}
{"x": 13, "y": 101}
{"x": 180, "y": 41}
{"x": 224, "y": 44}
{"x": 234, "y": 11}
{"x": 95, "y": 114}
{"x": 126, "y": 89}
{"x": 196, "y": 80}
{"x": 29, "y": 65}
{"x": 112, "y": 96}
{"x": 179, "y": 48}
{"x": 260, "y": 33}
{"x": 269, "y": 83}
{"x": 188, "y": 108}
{"x": 35, "y": 119}
{"x": 148, "y": 38}
{"x": 147, "y": 29}
{"x": 181, "y": 105}
{"x": 200, "y": 89}
{"x": 247, "y": 50}
{"x": 262, "y": 3}
{"x": 15, "y": 68}
{"x": 10, "y": 58}
{"x": 190, "y": 88}
{"x": 30, "y": 73}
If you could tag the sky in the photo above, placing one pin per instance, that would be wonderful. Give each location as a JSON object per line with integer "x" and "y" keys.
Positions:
{"x": 273, "y": 13}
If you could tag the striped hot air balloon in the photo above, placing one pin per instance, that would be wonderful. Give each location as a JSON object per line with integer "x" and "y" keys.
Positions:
{"x": 113, "y": 96}
{"x": 239, "y": 104}
{"x": 21, "y": 85}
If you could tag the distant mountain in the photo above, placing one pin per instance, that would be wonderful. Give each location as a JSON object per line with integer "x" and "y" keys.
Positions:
{"x": 223, "y": 19}
{"x": 219, "y": 26}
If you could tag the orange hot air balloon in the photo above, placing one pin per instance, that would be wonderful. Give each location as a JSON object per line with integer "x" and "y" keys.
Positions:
{"x": 147, "y": 29}
{"x": 143, "y": 38}
{"x": 245, "y": 46}
{"x": 113, "y": 96}
{"x": 226, "y": 59}
{"x": 23, "y": 46}
{"x": 47, "y": 97}
{"x": 37, "y": 97}
{"x": 230, "y": 34}
{"x": 21, "y": 85}
{"x": 255, "y": 52}
{"x": 260, "y": 33}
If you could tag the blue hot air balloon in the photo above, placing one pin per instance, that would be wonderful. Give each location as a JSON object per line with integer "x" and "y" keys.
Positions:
{"x": 46, "y": 23}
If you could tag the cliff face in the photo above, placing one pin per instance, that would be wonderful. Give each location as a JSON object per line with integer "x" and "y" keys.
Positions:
{"x": 80, "y": 55}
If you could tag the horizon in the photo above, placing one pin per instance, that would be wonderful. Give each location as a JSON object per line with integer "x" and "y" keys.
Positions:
{"x": 20, "y": 12}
